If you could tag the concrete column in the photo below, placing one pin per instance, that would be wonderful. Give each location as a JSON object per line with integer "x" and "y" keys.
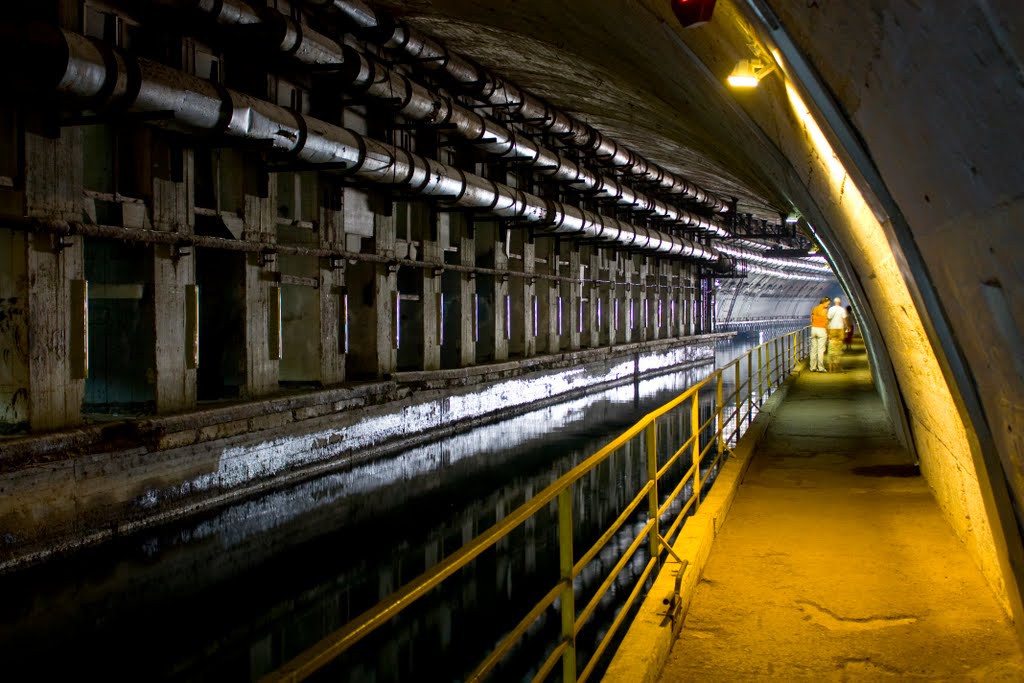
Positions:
{"x": 301, "y": 326}
{"x": 431, "y": 303}
{"x": 548, "y": 340}
{"x": 332, "y": 295}
{"x": 627, "y": 316}
{"x": 502, "y": 306}
{"x": 523, "y": 342}
{"x": 333, "y": 298}
{"x": 261, "y": 288}
{"x": 662, "y": 310}
{"x": 653, "y": 297}
{"x": 591, "y": 324}
{"x": 689, "y": 297}
{"x": 531, "y": 327}
{"x": 678, "y": 298}
{"x": 15, "y": 408}
{"x": 47, "y": 334}
{"x": 176, "y": 323}
{"x": 372, "y": 296}
{"x": 430, "y": 299}
{"x": 55, "y": 333}
{"x": 415, "y": 233}
{"x": 468, "y": 307}
{"x": 609, "y": 296}
{"x": 502, "y": 318}
{"x": 572, "y": 296}
{"x": 643, "y": 313}
{"x": 175, "y": 302}
{"x": 491, "y": 290}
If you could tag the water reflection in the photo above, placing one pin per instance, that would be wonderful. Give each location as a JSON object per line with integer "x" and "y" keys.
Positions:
{"x": 237, "y": 593}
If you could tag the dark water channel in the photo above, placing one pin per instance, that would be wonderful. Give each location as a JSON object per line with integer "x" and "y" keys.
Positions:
{"x": 234, "y": 594}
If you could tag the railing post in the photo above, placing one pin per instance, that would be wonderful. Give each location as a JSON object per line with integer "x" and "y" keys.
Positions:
{"x": 750, "y": 388}
{"x": 568, "y": 598}
{"x": 720, "y": 413}
{"x": 760, "y": 375}
{"x": 739, "y": 403}
{"x": 695, "y": 430}
{"x": 651, "y": 433}
{"x": 794, "y": 350}
{"x": 778, "y": 359}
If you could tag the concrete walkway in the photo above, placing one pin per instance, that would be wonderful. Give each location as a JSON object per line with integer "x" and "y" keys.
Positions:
{"x": 835, "y": 563}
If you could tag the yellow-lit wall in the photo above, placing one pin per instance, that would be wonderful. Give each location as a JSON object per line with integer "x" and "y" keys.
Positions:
{"x": 938, "y": 431}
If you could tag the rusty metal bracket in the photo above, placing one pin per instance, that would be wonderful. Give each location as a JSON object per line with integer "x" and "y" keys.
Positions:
{"x": 674, "y": 603}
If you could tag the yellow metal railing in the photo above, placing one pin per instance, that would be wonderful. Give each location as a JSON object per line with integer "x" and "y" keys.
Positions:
{"x": 776, "y": 358}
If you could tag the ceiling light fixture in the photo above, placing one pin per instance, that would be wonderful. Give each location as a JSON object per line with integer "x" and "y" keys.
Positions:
{"x": 793, "y": 217}
{"x": 693, "y": 12}
{"x": 749, "y": 72}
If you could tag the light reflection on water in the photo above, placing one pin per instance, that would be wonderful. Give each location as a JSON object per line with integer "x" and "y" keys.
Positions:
{"x": 238, "y": 592}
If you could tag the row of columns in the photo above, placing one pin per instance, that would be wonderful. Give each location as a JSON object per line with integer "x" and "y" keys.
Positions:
{"x": 184, "y": 324}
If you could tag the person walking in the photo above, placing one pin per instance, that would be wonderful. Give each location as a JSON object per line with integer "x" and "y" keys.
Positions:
{"x": 819, "y": 335}
{"x": 836, "y": 330}
{"x": 848, "y": 339}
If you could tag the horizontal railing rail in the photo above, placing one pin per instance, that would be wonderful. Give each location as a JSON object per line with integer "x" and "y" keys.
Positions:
{"x": 710, "y": 441}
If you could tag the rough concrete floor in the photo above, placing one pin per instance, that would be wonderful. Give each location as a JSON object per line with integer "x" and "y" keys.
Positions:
{"x": 834, "y": 565}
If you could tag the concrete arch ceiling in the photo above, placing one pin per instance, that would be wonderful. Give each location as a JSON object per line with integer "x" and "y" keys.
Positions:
{"x": 618, "y": 67}
{"x": 906, "y": 159}
{"x": 622, "y": 68}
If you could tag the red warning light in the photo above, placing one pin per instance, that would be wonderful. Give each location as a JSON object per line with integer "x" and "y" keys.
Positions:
{"x": 693, "y": 12}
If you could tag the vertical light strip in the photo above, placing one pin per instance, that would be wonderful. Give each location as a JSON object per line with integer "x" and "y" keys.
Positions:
{"x": 615, "y": 314}
{"x": 398, "y": 320}
{"x": 344, "y": 320}
{"x": 274, "y": 338}
{"x": 579, "y": 317}
{"x": 599, "y": 313}
{"x": 632, "y": 318}
{"x": 78, "y": 344}
{"x": 536, "y": 318}
{"x": 559, "y": 316}
{"x": 476, "y": 317}
{"x": 192, "y": 326}
{"x": 508, "y": 316}
{"x": 440, "y": 318}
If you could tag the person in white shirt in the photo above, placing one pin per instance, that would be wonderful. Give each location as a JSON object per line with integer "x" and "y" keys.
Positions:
{"x": 836, "y": 330}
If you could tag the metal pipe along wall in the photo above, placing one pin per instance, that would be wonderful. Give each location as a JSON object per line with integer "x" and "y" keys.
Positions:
{"x": 99, "y": 78}
{"x": 395, "y": 34}
{"x": 417, "y": 103}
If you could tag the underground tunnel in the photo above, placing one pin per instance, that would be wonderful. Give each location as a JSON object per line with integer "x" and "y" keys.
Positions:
{"x": 250, "y": 244}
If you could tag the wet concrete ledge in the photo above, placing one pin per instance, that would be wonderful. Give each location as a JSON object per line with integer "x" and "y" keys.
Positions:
{"x": 642, "y": 654}
{"x": 76, "y": 487}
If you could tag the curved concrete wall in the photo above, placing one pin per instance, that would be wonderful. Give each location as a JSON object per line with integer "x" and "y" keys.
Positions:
{"x": 931, "y": 100}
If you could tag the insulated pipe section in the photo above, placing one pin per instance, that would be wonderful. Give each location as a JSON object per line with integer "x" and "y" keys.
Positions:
{"x": 783, "y": 274}
{"x": 417, "y": 103}
{"x": 268, "y": 26}
{"x": 749, "y": 256}
{"x": 91, "y": 72}
{"x": 395, "y": 34}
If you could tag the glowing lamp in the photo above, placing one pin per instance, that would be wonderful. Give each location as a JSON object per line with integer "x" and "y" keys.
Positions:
{"x": 748, "y": 73}
{"x": 693, "y": 12}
